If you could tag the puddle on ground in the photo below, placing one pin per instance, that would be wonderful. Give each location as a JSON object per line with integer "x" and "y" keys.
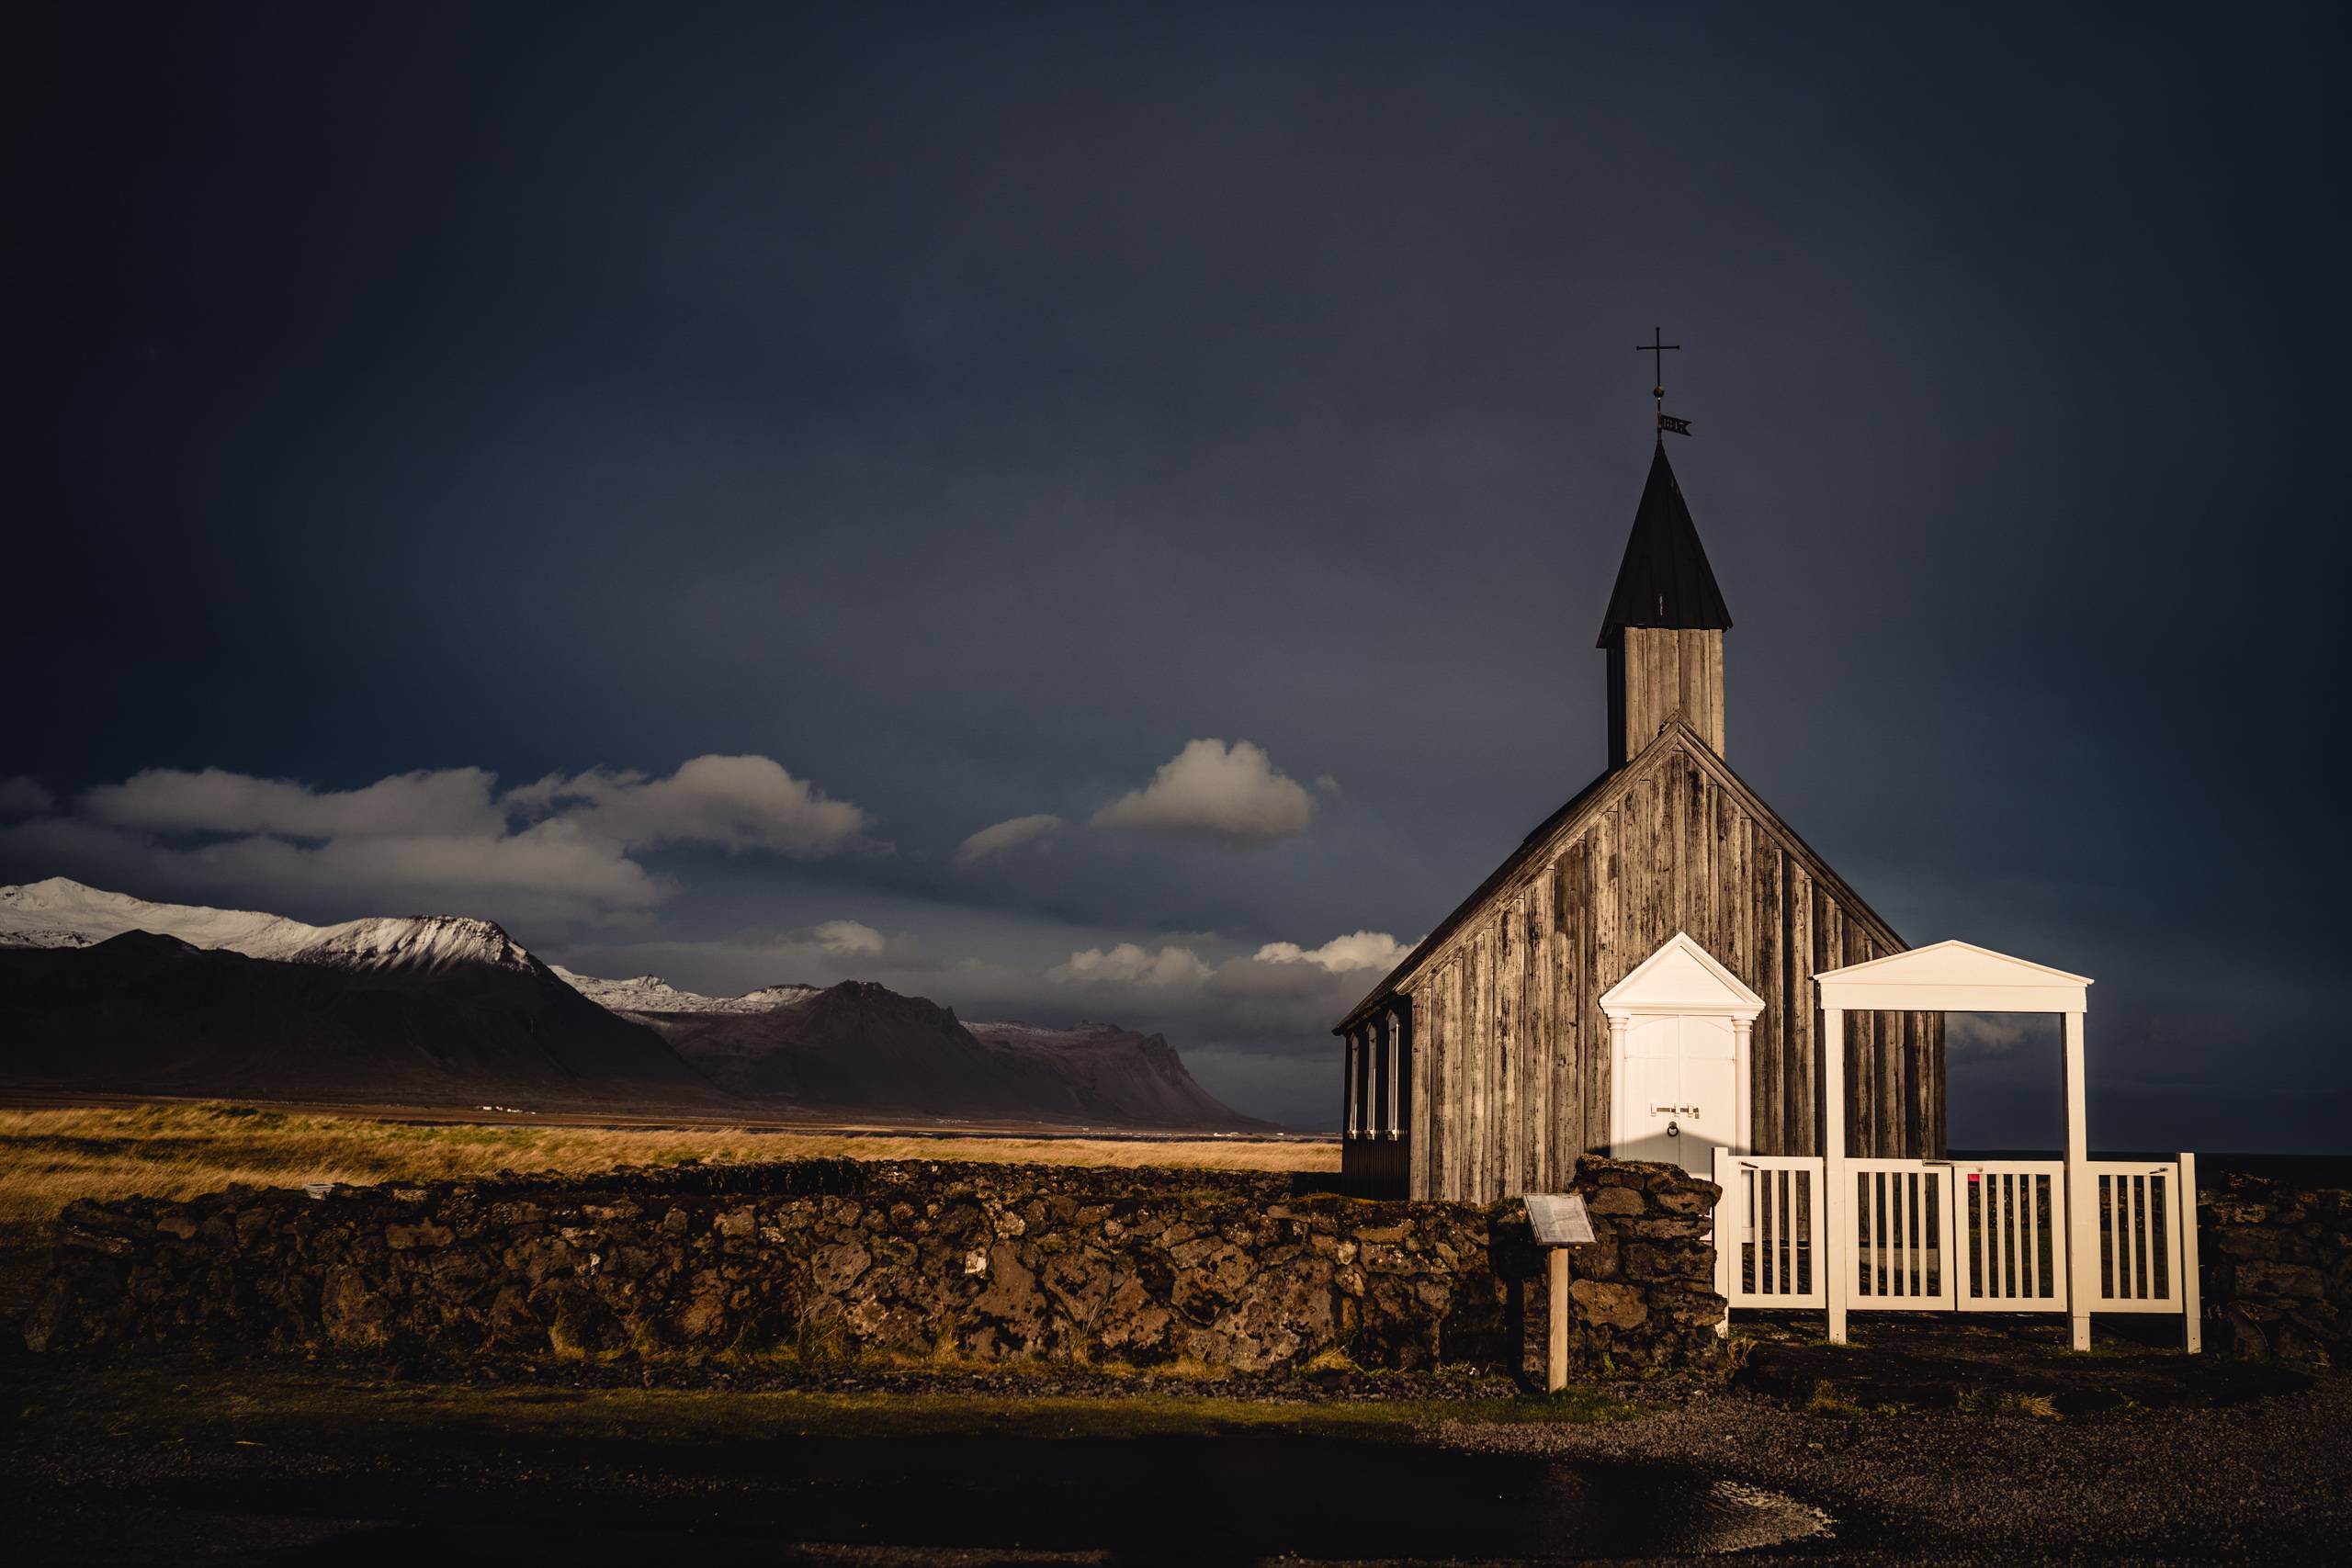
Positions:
{"x": 1188, "y": 1499}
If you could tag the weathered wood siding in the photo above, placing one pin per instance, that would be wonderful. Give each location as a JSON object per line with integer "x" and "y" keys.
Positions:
{"x": 1656, "y": 673}
{"x": 1511, "y": 1052}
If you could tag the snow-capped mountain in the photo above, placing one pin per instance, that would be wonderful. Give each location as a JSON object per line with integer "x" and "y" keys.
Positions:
{"x": 100, "y": 991}
{"x": 651, "y": 993}
{"x": 415, "y": 941}
{"x": 103, "y": 990}
{"x": 63, "y": 913}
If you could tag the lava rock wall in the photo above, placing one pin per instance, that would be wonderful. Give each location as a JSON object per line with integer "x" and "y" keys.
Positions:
{"x": 827, "y": 1259}
{"x": 2276, "y": 1269}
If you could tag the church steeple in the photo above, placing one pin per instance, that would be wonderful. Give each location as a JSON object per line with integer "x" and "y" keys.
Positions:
{"x": 1665, "y": 626}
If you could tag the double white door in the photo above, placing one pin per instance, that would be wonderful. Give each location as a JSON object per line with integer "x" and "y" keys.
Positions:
{"x": 1679, "y": 1100}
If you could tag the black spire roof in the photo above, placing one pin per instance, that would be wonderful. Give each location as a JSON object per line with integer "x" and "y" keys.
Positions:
{"x": 1664, "y": 581}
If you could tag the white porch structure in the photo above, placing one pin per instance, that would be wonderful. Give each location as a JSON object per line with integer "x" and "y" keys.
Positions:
{"x": 2073, "y": 1236}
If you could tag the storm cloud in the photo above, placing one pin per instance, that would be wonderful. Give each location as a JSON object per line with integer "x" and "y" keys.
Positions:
{"x": 673, "y": 480}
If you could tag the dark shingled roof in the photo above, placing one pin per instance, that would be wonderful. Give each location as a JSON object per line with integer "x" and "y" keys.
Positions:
{"x": 1664, "y": 581}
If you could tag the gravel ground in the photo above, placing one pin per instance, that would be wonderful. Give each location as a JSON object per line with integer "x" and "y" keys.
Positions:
{"x": 2268, "y": 1482}
{"x": 262, "y": 1463}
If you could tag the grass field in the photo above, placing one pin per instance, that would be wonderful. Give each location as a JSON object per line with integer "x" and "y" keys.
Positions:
{"x": 50, "y": 1158}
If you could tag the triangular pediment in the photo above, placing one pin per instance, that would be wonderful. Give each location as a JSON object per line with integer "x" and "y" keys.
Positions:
{"x": 1954, "y": 976}
{"x": 1680, "y": 977}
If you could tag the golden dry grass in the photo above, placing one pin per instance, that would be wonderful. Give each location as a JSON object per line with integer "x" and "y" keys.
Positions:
{"x": 51, "y": 1157}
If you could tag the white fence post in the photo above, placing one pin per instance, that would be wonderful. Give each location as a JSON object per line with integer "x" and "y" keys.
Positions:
{"x": 2192, "y": 1301}
{"x": 1729, "y": 1223}
{"x": 1839, "y": 1256}
{"x": 2082, "y": 1194}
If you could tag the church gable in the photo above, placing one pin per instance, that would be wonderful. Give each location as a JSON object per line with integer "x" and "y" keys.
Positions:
{"x": 1672, "y": 809}
{"x": 1510, "y": 1038}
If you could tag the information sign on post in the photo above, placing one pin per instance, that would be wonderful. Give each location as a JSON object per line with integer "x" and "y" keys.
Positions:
{"x": 1560, "y": 1222}
{"x": 1559, "y": 1219}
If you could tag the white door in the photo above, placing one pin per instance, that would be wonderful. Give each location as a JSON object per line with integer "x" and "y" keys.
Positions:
{"x": 1677, "y": 1101}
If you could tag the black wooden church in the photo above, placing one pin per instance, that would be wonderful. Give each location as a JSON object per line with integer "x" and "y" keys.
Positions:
{"x": 1636, "y": 979}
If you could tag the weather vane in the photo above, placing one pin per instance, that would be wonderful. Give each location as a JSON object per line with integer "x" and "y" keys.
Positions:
{"x": 1656, "y": 349}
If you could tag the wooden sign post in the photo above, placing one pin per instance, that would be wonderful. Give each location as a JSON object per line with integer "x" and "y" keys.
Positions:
{"x": 1560, "y": 1222}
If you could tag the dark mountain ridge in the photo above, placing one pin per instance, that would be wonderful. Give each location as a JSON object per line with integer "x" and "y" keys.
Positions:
{"x": 102, "y": 992}
{"x": 142, "y": 1012}
{"x": 860, "y": 1045}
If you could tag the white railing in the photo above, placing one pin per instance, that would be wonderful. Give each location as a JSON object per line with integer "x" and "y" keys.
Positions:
{"x": 1900, "y": 1256}
{"x": 2139, "y": 1229}
{"x": 1768, "y": 1230}
{"x": 2013, "y": 1235}
{"x": 1979, "y": 1236}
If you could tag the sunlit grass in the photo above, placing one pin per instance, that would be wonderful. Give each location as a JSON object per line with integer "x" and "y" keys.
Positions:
{"x": 49, "y": 1158}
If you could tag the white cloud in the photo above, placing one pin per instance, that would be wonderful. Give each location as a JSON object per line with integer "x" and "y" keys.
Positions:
{"x": 455, "y": 802}
{"x": 736, "y": 803}
{"x": 22, "y": 796}
{"x": 1341, "y": 954}
{"x": 1003, "y": 837}
{"x": 1995, "y": 1034}
{"x": 846, "y": 939}
{"x": 562, "y": 849}
{"x": 1234, "y": 793}
{"x": 1128, "y": 965}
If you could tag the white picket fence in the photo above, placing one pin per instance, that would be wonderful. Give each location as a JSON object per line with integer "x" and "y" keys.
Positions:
{"x": 2013, "y": 1235}
{"x": 1970, "y": 1236}
{"x": 2146, "y": 1225}
{"x": 1768, "y": 1230}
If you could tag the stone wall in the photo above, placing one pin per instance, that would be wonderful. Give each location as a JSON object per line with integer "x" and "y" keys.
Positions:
{"x": 912, "y": 1258}
{"x": 2276, "y": 1269}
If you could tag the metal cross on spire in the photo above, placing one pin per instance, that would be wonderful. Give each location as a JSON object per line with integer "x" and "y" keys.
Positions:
{"x": 1658, "y": 348}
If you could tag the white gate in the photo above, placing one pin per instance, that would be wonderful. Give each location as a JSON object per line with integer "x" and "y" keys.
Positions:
{"x": 2137, "y": 1229}
{"x": 2012, "y": 1235}
{"x": 1900, "y": 1254}
{"x": 1768, "y": 1230}
{"x": 1972, "y": 1235}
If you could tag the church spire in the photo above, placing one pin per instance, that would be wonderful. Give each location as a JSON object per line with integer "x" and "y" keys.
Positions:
{"x": 1663, "y": 629}
{"x": 1664, "y": 579}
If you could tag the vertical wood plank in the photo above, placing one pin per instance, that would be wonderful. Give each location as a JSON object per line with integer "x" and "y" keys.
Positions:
{"x": 1828, "y": 952}
{"x": 1606, "y": 868}
{"x": 1511, "y": 1040}
{"x": 1568, "y": 1088}
{"x": 1447, "y": 1155}
{"x": 1480, "y": 1043}
{"x": 1665, "y": 831}
{"x": 1673, "y": 852}
{"x": 1939, "y": 1131}
{"x": 1724, "y": 896}
{"x": 1771, "y": 1043}
{"x": 1535, "y": 1136}
{"x": 1421, "y": 1172}
{"x": 1691, "y": 874}
{"x": 1805, "y": 1053}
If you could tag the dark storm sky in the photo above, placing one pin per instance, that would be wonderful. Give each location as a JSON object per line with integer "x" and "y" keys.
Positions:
{"x": 967, "y": 408}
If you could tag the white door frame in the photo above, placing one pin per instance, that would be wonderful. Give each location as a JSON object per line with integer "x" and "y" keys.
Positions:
{"x": 1681, "y": 980}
